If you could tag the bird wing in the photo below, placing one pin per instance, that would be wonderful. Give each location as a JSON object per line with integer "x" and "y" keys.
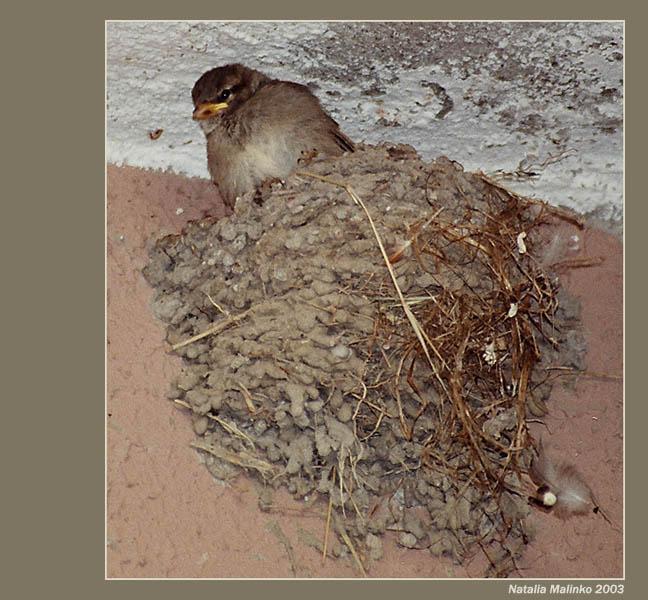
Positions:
{"x": 342, "y": 140}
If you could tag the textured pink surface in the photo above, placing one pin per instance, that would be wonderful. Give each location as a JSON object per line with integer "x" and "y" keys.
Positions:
{"x": 585, "y": 427}
{"x": 167, "y": 516}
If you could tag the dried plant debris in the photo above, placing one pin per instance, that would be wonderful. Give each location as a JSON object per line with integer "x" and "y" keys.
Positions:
{"x": 395, "y": 382}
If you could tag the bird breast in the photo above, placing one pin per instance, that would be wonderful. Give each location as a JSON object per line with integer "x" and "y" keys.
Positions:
{"x": 239, "y": 168}
{"x": 264, "y": 138}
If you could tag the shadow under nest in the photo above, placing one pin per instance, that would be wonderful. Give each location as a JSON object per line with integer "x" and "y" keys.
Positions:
{"x": 377, "y": 334}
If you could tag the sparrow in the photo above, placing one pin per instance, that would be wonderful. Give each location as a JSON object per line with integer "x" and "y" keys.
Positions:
{"x": 259, "y": 129}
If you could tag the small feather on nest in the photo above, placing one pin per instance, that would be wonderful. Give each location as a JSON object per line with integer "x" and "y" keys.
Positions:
{"x": 561, "y": 487}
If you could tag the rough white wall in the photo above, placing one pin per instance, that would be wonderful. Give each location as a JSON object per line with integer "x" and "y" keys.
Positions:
{"x": 545, "y": 98}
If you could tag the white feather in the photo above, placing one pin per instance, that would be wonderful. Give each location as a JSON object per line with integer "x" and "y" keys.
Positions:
{"x": 573, "y": 495}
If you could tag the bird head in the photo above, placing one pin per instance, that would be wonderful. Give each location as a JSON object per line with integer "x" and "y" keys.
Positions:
{"x": 220, "y": 91}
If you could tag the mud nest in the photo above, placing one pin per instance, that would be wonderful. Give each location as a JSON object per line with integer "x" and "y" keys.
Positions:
{"x": 377, "y": 334}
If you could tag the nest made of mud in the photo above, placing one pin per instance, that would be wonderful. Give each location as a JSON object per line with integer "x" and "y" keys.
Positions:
{"x": 401, "y": 397}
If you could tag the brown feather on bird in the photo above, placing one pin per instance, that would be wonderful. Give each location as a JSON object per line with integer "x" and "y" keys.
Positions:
{"x": 258, "y": 128}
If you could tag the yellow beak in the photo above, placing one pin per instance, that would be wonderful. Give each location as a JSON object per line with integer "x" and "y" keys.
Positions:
{"x": 208, "y": 109}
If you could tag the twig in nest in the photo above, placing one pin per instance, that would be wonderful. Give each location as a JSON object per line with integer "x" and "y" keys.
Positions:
{"x": 559, "y": 212}
{"x": 463, "y": 412}
{"x": 229, "y": 427}
{"x": 348, "y": 491}
{"x": 328, "y": 526}
{"x": 347, "y": 540}
{"x": 247, "y": 396}
{"x": 217, "y": 306}
{"x": 455, "y": 234}
{"x": 216, "y": 328}
{"x": 410, "y": 315}
{"x": 399, "y": 252}
{"x": 242, "y": 459}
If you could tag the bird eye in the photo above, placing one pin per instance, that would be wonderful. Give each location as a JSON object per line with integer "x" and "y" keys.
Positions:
{"x": 224, "y": 95}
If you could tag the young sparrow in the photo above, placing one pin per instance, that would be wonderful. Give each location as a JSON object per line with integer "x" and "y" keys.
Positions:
{"x": 257, "y": 128}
